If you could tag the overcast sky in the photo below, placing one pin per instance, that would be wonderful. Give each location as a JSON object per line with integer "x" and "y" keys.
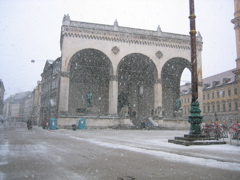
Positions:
{"x": 30, "y": 29}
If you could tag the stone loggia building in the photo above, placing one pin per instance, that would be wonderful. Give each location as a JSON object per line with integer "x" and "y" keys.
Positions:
{"x": 109, "y": 71}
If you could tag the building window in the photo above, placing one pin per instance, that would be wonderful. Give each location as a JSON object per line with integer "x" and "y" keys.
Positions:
{"x": 203, "y": 96}
{"x": 217, "y": 94}
{"x": 212, "y": 95}
{"x": 54, "y": 84}
{"x": 223, "y": 93}
{"x": 213, "y": 108}
{"x": 235, "y": 91}
{"x": 208, "y": 107}
{"x": 218, "y": 108}
{"x": 208, "y": 96}
{"x": 224, "y": 107}
{"x": 229, "y": 92}
{"x": 229, "y": 107}
{"x": 204, "y": 109}
{"x": 236, "y": 106}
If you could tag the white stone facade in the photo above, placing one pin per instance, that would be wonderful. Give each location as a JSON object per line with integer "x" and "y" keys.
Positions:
{"x": 117, "y": 43}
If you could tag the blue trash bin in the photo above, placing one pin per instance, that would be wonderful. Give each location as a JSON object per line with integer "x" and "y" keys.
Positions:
{"x": 82, "y": 124}
{"x": 53, "y": 124}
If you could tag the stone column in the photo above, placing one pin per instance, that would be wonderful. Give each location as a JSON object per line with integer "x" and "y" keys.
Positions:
{"x": 236, "y": 22}
{"x": 158, "y": 93}
{"x": 113, "y": 95}
{"x": 64, "y": 94}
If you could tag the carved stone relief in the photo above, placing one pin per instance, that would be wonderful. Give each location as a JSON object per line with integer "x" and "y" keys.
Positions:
{"x": 159, "y": 54}
{"x": 115, "y": 50}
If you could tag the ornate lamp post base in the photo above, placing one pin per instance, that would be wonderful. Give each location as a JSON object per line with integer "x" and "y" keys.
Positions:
{"x": 195, "y": 119}
{"x": 195, "y": 137}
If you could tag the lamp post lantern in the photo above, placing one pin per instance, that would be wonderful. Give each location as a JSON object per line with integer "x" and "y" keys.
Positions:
{"x": 195, "y": 119}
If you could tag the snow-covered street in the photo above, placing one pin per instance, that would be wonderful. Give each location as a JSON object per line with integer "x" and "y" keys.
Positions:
{"x": 110, "y": 154}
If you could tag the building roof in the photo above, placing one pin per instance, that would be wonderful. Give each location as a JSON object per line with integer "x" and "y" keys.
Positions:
{"x": 220, "y": 79}
{"x": 216, "y": 80}
{"x": 185, "y": 89}
{"x": 18, "y": 96}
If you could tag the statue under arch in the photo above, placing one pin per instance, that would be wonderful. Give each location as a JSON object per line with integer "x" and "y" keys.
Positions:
{"x": 89, "y": 73}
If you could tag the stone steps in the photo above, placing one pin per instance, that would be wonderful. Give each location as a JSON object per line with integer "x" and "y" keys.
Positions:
{"x": 195, "y": 139}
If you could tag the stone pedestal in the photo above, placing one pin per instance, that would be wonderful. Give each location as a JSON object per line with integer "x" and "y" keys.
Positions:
{"x": 195, "y": 139}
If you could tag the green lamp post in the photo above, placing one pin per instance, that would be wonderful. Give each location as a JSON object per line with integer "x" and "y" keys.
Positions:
{"x": 195, "y": 119}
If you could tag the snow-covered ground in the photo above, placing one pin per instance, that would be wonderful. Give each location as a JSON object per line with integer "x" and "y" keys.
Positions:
{"x": 68, "y": 149}
{"x": 155, "y": 143}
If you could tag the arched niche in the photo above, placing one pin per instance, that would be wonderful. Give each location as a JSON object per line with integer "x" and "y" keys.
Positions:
{"x": 89, "y": 75}
{"x": 171, "y": 76}
{"x": 137, "y": 74}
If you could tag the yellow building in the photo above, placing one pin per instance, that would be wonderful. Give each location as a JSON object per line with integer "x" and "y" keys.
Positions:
{"x": 220, "y": 98}
{"x": 236, "y": 22}
{"x": 186, "y": 98}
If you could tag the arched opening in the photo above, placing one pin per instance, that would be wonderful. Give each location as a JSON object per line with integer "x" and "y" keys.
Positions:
{"x": 89, "y": 74}
{"x": 137, "y": 74}
{"x": 185, "y": 77}
{"x": 171, "y": 76}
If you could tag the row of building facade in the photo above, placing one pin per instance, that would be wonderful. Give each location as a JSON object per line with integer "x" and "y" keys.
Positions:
{"x": 220, "y": 98}
{"x": 38, "y": 105}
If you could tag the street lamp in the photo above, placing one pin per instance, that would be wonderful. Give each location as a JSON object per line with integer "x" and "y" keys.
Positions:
{"x": 195, "y": 119}
{"x": 42, "y": 111}
{"x": 33, "y": 60}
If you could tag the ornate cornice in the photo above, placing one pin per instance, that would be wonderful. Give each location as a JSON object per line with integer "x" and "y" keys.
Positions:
{"x": 127, "y": 40}
{"x": 76, "y": 29}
